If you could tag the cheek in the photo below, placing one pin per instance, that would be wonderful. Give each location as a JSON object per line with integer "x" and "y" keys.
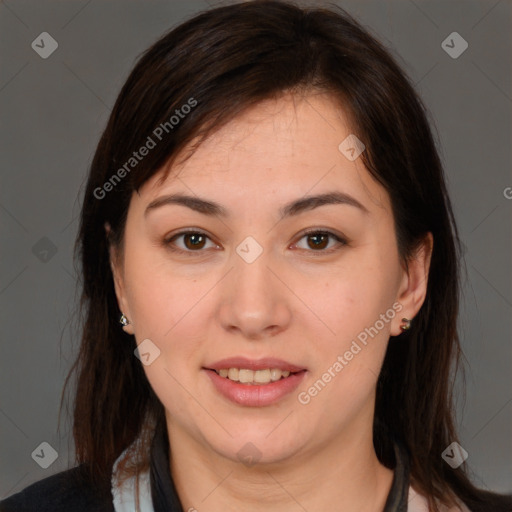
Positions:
{"x": 348, "y": 356}
{"x": 169, "y": 313}
{"x": 355, "y": 308}
{"x": 161, "y": 307}
{"x": 351, "y": 299}
{"x": 157, "y": 298}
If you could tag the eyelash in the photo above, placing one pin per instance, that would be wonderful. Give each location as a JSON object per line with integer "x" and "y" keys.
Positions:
{"x": 169, "y": 242}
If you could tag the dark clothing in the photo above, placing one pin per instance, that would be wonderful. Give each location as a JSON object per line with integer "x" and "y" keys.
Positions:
{"x": 69, "y": 491}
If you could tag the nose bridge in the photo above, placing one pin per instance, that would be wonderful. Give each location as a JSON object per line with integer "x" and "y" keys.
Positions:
{"x": 252, "y": 275}
{"x": 254, "y": 296}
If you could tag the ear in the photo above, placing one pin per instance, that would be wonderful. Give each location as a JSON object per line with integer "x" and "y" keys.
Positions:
{"x": 118, "y": 277}
{"x": 413, "y": 286}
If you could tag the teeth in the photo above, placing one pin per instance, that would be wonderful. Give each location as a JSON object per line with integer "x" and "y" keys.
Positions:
{"x": 262, "y": 376}
{"x": 245, "y": 376}
{"x": 275, "y": 374}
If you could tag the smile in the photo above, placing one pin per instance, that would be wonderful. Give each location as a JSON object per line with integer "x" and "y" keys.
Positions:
{"x": 253, "y": 393}
{"x": 251, "y": 377}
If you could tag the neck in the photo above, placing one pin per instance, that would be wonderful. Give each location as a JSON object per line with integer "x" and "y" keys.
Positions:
{"x": 345, "y": 474}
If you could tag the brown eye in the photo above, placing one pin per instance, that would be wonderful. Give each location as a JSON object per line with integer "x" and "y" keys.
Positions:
{"x": 319, "y": 240}
{"x": 193, "y": 241}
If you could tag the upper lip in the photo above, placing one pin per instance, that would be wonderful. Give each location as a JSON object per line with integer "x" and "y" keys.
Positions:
{"x": 254, "y": 364}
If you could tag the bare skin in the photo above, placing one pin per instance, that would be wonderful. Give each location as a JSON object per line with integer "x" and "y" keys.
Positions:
{"x": 303, "y": 304}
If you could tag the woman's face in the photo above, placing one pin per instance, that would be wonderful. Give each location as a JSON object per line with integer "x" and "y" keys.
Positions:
{"x": 251, "y": 295}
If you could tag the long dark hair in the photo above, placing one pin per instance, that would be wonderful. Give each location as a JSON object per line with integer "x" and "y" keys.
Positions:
{"x": 221, "y": 62}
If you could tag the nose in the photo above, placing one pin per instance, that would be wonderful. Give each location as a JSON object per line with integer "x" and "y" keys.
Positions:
{"x": 255, "y": 300}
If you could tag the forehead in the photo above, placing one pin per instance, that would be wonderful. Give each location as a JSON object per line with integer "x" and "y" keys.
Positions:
{"x": 288, "y": 147}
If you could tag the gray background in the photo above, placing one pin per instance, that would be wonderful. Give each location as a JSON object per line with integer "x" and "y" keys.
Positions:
{"x": 53, "y": 111}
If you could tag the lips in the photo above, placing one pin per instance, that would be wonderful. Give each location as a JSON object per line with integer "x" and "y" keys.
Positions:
{"x": 254, "y": 364}
{"x": 253, "y": 393}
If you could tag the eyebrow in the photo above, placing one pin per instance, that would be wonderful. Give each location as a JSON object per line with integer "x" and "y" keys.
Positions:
{"x": 293, "y": 208}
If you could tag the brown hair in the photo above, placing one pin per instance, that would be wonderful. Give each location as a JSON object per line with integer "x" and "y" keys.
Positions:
{"x": 228, "y": 59}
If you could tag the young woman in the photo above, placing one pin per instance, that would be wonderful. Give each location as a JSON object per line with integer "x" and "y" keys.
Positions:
{"x": 271, "y": 282}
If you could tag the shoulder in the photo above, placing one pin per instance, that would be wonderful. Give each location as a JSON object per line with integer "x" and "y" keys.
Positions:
{"x": 64, "y": 491}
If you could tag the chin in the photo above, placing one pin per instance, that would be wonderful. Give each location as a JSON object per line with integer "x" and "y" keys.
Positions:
{"x": 253, "y": 446}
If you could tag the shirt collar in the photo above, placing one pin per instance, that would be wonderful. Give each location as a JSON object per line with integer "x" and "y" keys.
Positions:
{"x": 163, "y": 491}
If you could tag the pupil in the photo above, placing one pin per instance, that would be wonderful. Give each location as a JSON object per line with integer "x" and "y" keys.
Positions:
{"x": 317, "y": 237}
{"x": 195, "y": 236}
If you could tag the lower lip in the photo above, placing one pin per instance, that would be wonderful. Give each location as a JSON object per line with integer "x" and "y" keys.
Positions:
{"x": 255, "y": 395}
